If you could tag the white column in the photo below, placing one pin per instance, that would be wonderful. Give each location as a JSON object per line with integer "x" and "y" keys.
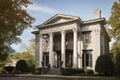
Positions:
{"x": 37, "y": 50}
{"x": 51, "y": 58}
{"x": 75, "y": 54}
{"x": 63, "y": 47}
{"x": 79, "y": 53}
{"x": 41, "y": 52}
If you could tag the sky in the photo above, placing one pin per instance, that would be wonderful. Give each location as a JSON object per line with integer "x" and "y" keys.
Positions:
{"x": 42, "y": 10}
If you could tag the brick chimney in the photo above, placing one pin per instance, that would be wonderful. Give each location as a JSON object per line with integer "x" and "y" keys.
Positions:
{"x": 97, "y": 14}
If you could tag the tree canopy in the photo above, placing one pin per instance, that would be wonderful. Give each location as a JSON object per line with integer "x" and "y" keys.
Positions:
{"x": 114, "y": 20}
{"x": 13, "y": 20}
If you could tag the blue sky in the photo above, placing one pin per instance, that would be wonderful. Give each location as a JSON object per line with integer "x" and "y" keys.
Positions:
{"x": 42, "y": 10}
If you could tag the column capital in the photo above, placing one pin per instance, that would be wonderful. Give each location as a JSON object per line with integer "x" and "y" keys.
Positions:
{"x": 63, "y": 32}
{"x": 74, "y": 30}
{"x": 50, "y": 34}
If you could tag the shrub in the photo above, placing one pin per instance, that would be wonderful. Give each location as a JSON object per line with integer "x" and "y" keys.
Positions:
{"x": 9, "y": 69}
{"x": 37, "y": 71}
{"x": 89, "y": 71}
{"x": 117, "y": 64}
{"x": 70, "y": 71}
{"x": 21, "y": 66}
{"x": 81, "y": 70}
{"x": 104, "y": 65}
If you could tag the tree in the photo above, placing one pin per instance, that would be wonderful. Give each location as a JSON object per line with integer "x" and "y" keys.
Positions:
{"x": 21, "y": 65}
{"x": 13, "y": 20}
{"x": 104, "y": 65}
{"x": 31, "y": 48}
{"x": 114, "y": 20}
{"x": 115, "y": 49}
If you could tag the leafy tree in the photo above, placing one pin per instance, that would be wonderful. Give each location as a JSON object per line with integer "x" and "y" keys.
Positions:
{"x": 114, "y": 20}
{"x": 104, "y": 65}
{"x": 21, "y": 66}
{"x": 31, "y": 48}
{"x": 115, "y": 49}
{"x": 13, "y": 20}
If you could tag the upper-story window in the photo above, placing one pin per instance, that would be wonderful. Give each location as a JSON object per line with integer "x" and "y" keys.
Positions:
{"x": 87, "y": 36}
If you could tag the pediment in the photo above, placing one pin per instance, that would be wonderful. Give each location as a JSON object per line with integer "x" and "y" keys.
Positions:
{"x": 59, "y": 18}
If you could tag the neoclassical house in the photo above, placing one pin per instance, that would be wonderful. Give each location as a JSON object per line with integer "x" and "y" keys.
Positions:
{"x": 68, "y": 39}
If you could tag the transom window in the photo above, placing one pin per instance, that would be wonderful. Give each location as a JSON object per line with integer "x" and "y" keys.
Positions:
{"x": 87, "y": 58}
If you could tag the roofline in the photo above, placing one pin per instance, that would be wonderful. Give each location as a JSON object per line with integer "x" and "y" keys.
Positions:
{"x": 57, "y": 23}
{"x": 95, "y": 20}
{"x": 41, "y": 25}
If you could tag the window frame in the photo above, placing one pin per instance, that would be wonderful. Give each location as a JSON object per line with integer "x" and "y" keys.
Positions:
{"x": 87, "y": 58}
{"x": 86, "y": 36}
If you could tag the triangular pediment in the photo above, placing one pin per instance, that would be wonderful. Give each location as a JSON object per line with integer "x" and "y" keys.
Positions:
{"x": 59, "y": 18}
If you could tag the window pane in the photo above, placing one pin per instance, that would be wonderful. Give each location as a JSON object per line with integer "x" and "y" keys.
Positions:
{"x": 87, "y": 58}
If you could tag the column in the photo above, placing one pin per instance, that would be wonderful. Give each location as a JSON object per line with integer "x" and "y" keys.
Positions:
{"x": 63, "y": 47}
{"x": 51, "y": 58}
{"x": 37, "y": 50}
{"x": 79, "y": 53}
{"x": 41, "y": 52}
{"x": 75, "y": 55}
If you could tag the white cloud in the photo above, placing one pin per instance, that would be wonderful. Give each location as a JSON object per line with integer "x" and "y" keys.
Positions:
{"x": 44, "y": 9}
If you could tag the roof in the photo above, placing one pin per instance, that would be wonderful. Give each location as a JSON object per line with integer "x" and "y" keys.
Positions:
{"x": 56, "y": 20}
{"x": 95, "y": 21}
{"x": 63, "y": 18}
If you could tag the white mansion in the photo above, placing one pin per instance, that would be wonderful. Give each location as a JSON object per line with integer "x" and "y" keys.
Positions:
{"x": 68, "y": 39}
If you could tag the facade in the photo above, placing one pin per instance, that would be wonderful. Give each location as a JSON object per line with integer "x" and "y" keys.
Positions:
{"x": 68, "y": 40}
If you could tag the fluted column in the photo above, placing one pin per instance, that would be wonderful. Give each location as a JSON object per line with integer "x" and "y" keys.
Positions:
{"x": 41, "y": 52}
{"x": 51, "y": 50}
{"x": 63, "y": 47}
{"x": 75, "y": 54}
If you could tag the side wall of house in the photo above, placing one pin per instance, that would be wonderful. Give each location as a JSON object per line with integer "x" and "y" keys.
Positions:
{"x": 94, "y": 45}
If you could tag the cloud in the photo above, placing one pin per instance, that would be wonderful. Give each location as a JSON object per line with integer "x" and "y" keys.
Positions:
{"x": 45, "y": 9}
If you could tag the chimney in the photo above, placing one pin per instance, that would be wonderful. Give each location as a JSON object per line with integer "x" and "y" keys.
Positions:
{"x": 97, "y": 14}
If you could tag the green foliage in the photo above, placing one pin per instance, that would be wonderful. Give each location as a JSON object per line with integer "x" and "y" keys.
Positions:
{"x": 89, "y": 71}
{"x": 9, "y": 69}
{"x": 117, "y": 63}
{"x": 104, "y": 65}
{"x": 115, "y": 50}
{"x": 21, "y": 66}
{"x": 70, "y": 71}
{"x": 13, "y": 20}
{"x": 3, "y": 56}
{"x": 114, "y": 20}
{"x": 37, "y": 71}
{"x": 30, "y": 59}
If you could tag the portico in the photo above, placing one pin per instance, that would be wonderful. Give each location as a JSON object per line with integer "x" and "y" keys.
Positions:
{"x": 61, "y": 49}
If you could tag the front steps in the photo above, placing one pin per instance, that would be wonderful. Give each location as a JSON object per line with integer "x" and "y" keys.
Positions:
{"x": 52, "y": 71}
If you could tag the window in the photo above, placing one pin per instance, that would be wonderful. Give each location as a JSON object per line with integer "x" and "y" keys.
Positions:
{"x": 87, "y": 37}
{"x": 87, "y": 58}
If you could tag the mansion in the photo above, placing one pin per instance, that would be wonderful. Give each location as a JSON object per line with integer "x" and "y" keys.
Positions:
{"x": 71, "y": 41}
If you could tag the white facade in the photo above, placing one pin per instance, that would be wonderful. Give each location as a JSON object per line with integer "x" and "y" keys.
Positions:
{"x": 68, "y": 39}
